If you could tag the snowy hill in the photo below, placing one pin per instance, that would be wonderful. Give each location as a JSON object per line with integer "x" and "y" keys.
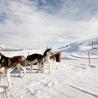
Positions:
{"x": 81, "y": 45}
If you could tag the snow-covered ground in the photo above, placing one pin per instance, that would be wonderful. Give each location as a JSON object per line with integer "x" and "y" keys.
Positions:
{"x": 64, "y": 25}
{"x": 73, "y": 77}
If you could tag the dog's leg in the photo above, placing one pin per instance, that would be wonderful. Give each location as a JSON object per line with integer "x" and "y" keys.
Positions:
{"x": 21, "y": 74}
{"x": 23, "y": 69}
{"x": 8, "y": 77}
{"x": 0, "y": 78}
{"x": 19, "y": 68}
{"x": 31, "y": 65}
{"x": 49, "y": 68}
{"x": 41, "y": 67}
{"x": 38, "y": 64}
{"x": 2, "y": 73}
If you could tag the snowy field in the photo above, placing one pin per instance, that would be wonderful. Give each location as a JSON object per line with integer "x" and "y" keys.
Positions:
{"x": 73, "y": 77}
{"x": 69, "y": 26}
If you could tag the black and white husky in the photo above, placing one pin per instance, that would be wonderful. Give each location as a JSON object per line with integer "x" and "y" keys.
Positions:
{"x": 41, "y": 60}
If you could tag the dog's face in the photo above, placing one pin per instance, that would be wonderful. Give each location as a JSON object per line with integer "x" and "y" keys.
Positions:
{"x": 50, "y": 52}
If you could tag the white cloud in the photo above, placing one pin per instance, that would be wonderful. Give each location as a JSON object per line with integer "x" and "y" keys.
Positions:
{"x": 27, "y": 27}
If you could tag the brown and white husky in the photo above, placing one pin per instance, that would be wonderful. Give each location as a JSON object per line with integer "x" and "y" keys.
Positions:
{"x": 8, "y": 64}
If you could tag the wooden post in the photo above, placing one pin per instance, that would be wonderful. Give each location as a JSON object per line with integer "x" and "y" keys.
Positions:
{"x": 89, "y": 60}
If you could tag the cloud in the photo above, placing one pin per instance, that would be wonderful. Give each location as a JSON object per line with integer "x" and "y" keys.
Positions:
{"x": 24, "y": 26}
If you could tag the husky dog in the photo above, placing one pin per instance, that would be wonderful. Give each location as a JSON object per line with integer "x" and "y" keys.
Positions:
{"x": 41, "y": 60}
{"x": 8, "y": 64}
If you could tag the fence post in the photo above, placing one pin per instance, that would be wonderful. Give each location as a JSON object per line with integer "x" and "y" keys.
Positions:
{"x": 92, "y": 45}
{"x": 89, "y": 60}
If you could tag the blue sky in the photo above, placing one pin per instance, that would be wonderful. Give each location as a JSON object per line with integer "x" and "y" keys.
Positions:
{"x": 42, "y": 23}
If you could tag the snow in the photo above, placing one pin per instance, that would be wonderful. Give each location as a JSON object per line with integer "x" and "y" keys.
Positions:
{"x": 71, "y": 78}
{"x": 65, "y": 26}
